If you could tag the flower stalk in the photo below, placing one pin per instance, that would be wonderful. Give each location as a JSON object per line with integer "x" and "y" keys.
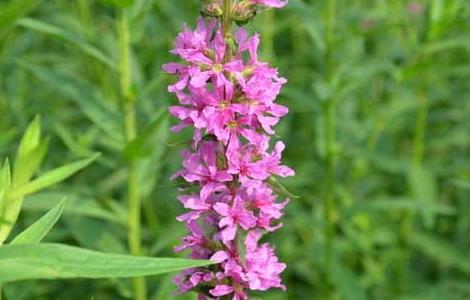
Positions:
{"x": 130, "y": 129}
{"x": 227, "y": 28}
{"x": 227, "y": 19}
{"x": 329, "y": 113}
{"x": 330, "y": 174}
{"x": 420, "y": 130}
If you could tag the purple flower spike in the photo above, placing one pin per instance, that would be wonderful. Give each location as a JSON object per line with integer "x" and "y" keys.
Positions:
{"x": 228, "y": 97}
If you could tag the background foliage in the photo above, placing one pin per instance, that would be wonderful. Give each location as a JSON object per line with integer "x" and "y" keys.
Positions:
{"x": 378, "y": 133}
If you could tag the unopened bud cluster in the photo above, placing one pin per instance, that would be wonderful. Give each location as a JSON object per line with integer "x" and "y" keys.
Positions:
{"x": 242, "y": 11}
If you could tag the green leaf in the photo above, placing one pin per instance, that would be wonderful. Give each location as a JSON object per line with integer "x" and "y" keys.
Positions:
{"x": 447, "y": 45}
{"x": 56, "y": 31}
{"x": 51, "y": 178}
{"x": 401, "y": 203}
{"x": 93, "y": 234}
{"x": 54, "y": 261}
{"x": 167, "y": 289}
{"x": 14, "y": 10}
{"x": 90, "y": 101}
{"x": 150, "y": 165}
{"x": 423, "y": 186}
{"x": 36, "y": 232}
{"x": 31, "y": 138}
{"x": 30, "y": 153}
{"x": 461, "y": 184}
{"x": 119, "y": 3}
{"x": 5, "y": 182}
{"x": 136, "y": 147}
{"x": 348, "y": 283}
{"x": 445, "y": 253}
{"x": 5, "y": 176}
{"x": 13, "y": 198}
{"x": 19, "y": 290}
{"x": 29, "y": 163}
{"x": 280, "y": 189}
{"x": 77, "y": 205}
{"x": 6, "y": 138}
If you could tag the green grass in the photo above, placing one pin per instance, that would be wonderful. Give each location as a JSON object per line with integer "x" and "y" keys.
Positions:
{"x": 378, "y": 133}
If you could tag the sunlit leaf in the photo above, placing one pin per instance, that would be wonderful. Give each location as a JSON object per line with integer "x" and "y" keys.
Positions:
{"x": 102, "y": 115}
{"x": 13, "y": 10}
{"x": 59, "y": 32}
{"x": 54, "y": 261}
{"x": 119, "y": 3}
{"x": 135, "y": 148}
{"x": 423, "y": 186}
{"x": 51, "y": 178}
{"x": 281, "y": 189}
{"x": 37, "y": 231}
{"x": 77, "y": 205}
{"x": 441, "y": 251}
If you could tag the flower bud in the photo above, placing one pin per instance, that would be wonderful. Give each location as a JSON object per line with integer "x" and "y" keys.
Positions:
{"x": 244, "y": 12}
{"x": 212, "y": 8}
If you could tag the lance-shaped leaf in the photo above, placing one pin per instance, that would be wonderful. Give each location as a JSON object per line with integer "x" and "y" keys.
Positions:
{"x": 13, "y": 199}
{"x": 6, "y": 137}
{"x": 87, "y": 97}
{"x": 36, "y": 232}
{"x": 59, "y": 32}
{"x": 5, "y": 182}
{"x": 30, "y": 153}
{"x": 423, "y": 185}
{"x": 77, "y": 205}
{"x": 119, "y": 3}
{"x": 442, "y": 251}
{"x": 279, "y": 189}
{"x": 55, "y": 261}
{"x": 51, "y": 178}
{"x": 136, "y": 147}
{"x": 12, "y": 10}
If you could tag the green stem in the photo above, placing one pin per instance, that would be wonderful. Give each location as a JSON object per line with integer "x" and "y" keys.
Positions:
{"x": 330, "y": 23}
{"x": 227, "y": 27}
{"x": 329, "y": 111}
{"x": 330, "y": 174}
{"x": 125, "y": 64}
{"x": 130, "y": 128}
{"x": 420, "y": 131}
{"x": 227, "y": 18}
{"x": 330, "y": 26}
{"x": 419, "y": 142}
{"x": 227, "y": 22}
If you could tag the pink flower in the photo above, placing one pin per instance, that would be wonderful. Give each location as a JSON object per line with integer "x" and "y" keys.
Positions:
{"x": 190, "y": 43}
{"x": 273, "y": 162}
{"x": 271, "y": 3}
{"x": 202, "y": 165}
{"x": 223, "y": 289}
{"x": 263, "y": 84}
{"x": 197, "y": 206}
{"x": 230, "y": 261}
{"x": 195, "y": 240}
{"x": 263, "y": 267}
{"x": 232, "y": 217}
{"x": 243, "y": 164}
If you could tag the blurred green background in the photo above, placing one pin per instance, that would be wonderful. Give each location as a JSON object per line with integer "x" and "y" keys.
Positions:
{"x": 378, "y": 134}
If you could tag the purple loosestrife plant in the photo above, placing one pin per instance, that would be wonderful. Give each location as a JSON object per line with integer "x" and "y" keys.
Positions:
{"x": 228, "y": 97}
